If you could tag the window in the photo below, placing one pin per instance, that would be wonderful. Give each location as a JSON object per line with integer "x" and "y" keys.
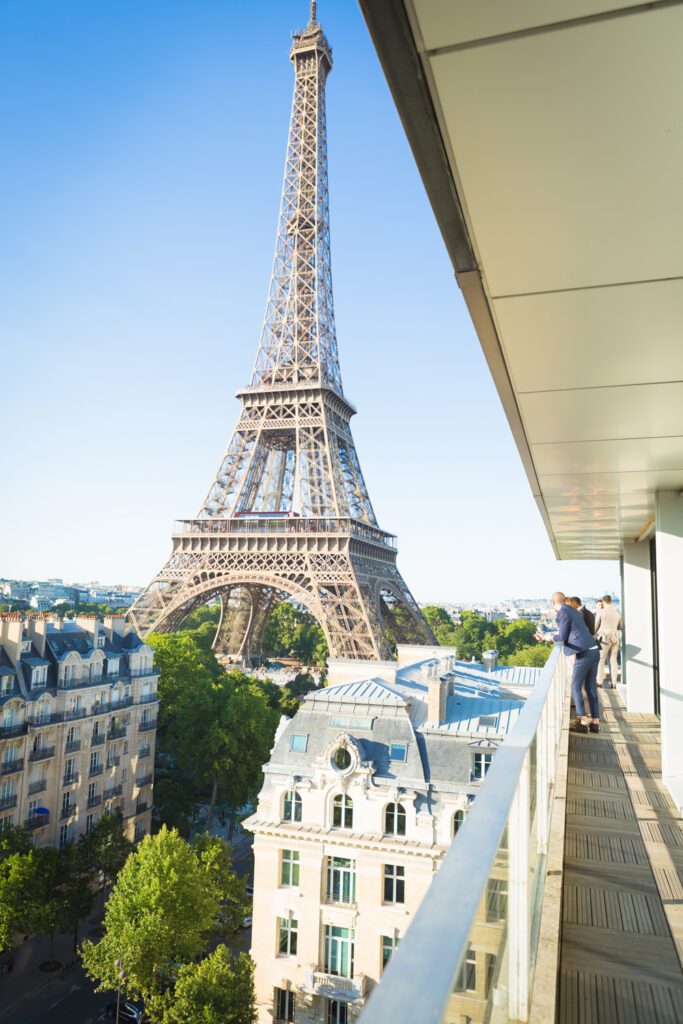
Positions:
{"x": 341, "y": 880}
{"x": 6, "y": 685}
{"x": 69, "y": 770}
{"x": 92, "y": 790}
{"x": 496, "y": 899}
{"x": 6, "y": 822}
{"x": 341, "y": 759}
{"x": 284, "y": 1005}
{"x": 8, "y": 718}
{"x": 94, "y": 760}
{"x": 342, "y": 811}
{"x": 289, "y": 868}
{"x": 299, "y": 743}
{"x": 339, "y": 951}
{"x": 467, "y": 975}
{"x": 489, "y": 973}
{"x": 66, "y": 801}
{"x": 395, "y": 820}
{"x": 71, "y": 734}
{"x": 398, "y": 751}
{"x": 288, "y": 928}
{"x": 7, "y": 790}
{"x": 63, "y": 836}
{"x": 389, "y": 944}
{"x": 89, "y": 823}
{"x": 100, "y": 641}
{"x": 39, "y": 677}
{"x": 481, "y": 762}
{"x": 32, "y": 805}
{"x": 458, "y": 819}
{"x": 292, "y": 807}
{"x": 394, "y": 883}
{"x": 337, "y": 1012}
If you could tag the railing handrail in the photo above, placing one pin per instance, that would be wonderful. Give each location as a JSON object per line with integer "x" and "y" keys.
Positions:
{"x": 416, "y": 984}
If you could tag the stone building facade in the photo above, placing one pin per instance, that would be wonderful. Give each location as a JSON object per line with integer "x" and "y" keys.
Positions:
{"x": 78, "y": 710}
{"x": 365, "y": 788}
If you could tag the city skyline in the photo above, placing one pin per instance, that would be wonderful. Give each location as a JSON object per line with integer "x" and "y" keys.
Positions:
{"x": 149, "y": 245}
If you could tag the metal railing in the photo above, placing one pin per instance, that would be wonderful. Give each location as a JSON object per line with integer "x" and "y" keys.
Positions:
{"x": 113, "y": 791}
{"x": 288, "y": 525}
{"x": 38, "y": 786}
{"x": 492, "y": 876}
{"x": 72, "y": 746}
{"x": 146, "y": 780}
{"x": 95, "y": 769}
{"x": 37, "y": 820}
{"x": 97, "y": 739}
{"x": 148, "y": 698}
{"x": 145, "y": 752}
{"x": 12, "y": 767}
{"x": 146, "y": 726}
{"x": 8, "y": 801}
{"x": 9, "y": 731}
{"x": 69, "y": 779}
{"x": 94, "y": 801}
{"x": 41, "y": 753}
{"x": 68, "y": 811}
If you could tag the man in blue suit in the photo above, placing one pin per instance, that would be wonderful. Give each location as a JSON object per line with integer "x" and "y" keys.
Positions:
{"x": 574, "y": 634}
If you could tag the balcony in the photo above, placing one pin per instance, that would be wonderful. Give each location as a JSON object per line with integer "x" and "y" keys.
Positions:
{"x": 40, "y": 721}
{"x": 94, "y": 801}
{"x": 141, "y": 673}
{"x": 148, "y": 698}
{"x": 113, "y": 791}
{"x": 68, "y": 812}
{"x": 284, "y": 524}
{"x": 38, "y": 786}
{"x": 41, "y": 754}
{"x": 35, "y": 821}
{"x": 332, "y": 986}
{"x": 141, "y": 807}
{"x": 70, "y": 779}
{"x": 9, "y": 731}
{"x": 12, "y": 767}
{"x": 95, "y": 770}
{"x": 147, "y": 726}
{"x": 97, "y": 739}
{"x": 146, "y": 780}
{"x": 145, "y": 752}
{"x": 113, "y": 761}
{"x": 560, "y": 895}
{"x": 72, "y": 746}
{"x": 8, "y": 801}
{"x": 118, "y": 733}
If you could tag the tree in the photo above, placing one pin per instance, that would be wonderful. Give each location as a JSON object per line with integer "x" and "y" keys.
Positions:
{"x": 439, "y": 620}
{"x": 291, "y": 632}
{"x": 76, "y": 886}
{"x": 19, "y": 869}
{"x": 106, "y": 849}
{"x": 215, "y": 856}
{"x": 44, "y": 908}
{"x": 534, "y": 655}
{"x": 161, "y": 908}
{"x": 218, "y": 989}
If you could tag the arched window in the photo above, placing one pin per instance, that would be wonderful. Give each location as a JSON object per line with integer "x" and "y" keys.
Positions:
{"x": 458, "y": 819}
{"x": 292, "y": 806}
{"x": 342, "y": 811}
{"x": 395, "y": 820}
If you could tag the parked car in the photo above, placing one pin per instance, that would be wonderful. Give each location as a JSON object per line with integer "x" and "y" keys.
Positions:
{"x": 129, "y": 1013}
{"x": 247, "y": 922}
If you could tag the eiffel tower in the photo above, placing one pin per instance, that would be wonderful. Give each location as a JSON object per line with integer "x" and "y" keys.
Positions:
{"x": 288, "y": 516}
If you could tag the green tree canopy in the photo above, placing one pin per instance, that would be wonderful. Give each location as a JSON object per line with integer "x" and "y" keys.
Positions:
{"x": 217, "y": 990}
{"x": 160, "y": 911}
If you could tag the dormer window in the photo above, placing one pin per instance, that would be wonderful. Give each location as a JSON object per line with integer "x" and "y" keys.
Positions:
{"x": 26, "y": 646}
{"x": 299, "y": 743}
{"x": 100, "y": 640}
{"x": 6, "y": 685}
{"x": 38, "y": 677}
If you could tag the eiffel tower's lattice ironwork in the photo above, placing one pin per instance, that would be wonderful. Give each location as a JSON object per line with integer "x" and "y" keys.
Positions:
{"x": 288, "y": 515}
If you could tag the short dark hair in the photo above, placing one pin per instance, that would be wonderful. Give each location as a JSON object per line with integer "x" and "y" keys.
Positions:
{"x": 607, "y": 599}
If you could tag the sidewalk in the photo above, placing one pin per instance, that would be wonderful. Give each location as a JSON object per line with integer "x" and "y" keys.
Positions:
{"x": 26, "y": 978}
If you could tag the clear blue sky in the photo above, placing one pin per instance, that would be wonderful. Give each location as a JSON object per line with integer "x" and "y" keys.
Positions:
{"x": 143, "y": 148}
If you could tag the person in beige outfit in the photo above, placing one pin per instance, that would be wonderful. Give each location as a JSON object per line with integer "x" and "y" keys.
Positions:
{"x": 607, "y": 624}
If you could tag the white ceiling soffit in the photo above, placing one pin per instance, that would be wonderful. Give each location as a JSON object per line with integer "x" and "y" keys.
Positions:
{"x": 561, "y": 127}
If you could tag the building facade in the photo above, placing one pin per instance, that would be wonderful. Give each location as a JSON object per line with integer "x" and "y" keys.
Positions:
{"x": 78, "y": 710}
{"x": 365, "y": 788}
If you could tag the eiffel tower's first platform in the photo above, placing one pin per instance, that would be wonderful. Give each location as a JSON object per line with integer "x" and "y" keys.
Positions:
{"x": 288, "y": 515}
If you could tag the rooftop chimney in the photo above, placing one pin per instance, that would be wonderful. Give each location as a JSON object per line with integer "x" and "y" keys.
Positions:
{"x": 490, "y": 659}
{"x": 436, "y": 701}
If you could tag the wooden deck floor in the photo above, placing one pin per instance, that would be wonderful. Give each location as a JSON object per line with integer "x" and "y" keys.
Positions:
{"x": 622, "y": 929}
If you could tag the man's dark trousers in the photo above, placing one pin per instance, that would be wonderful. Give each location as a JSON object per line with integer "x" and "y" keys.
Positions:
{"x": 586, "y": 674}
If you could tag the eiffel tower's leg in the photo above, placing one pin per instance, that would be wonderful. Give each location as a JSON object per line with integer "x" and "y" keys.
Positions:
{"x": 245, "y": 612}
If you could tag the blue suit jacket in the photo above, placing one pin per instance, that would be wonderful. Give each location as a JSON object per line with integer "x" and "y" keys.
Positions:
{"x": 573, "y": 631}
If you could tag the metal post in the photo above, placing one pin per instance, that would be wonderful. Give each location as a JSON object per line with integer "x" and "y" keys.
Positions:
{"x": 518, "y": 901}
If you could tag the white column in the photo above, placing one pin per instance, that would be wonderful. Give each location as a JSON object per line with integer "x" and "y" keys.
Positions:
{"x": 669, "y": 551}
{"x": 638, "y": 669}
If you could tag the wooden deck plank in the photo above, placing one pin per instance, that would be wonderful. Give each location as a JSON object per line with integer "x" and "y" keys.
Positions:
{"x": 622, "y": 920}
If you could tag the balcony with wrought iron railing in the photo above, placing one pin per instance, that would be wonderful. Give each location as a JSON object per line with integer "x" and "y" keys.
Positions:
{"x": 70, "y": 779}
{"x": 72, "y": 746}
{"x": 8, "y": 801}
{"x": 118, "y": 733}
{"x": 145, "y": 780}
{"x": 113, "y": 791}
{"x": 11, "y": 731}
{"x": 12, "y": 767}
{"x": 95, "y": 800}
{"x": 147, "y": 726}
{"x": 68, "y": 811}
{"x": 41, "y": 753}
{"x": 97, "y": 739}
{"x": 37, "y": 820}
{"x": 37, "y": 786}
{"x": 95, "y": 770}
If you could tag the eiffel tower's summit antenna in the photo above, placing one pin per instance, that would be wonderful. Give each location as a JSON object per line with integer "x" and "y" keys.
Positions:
{"x": 288, "y": 514}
